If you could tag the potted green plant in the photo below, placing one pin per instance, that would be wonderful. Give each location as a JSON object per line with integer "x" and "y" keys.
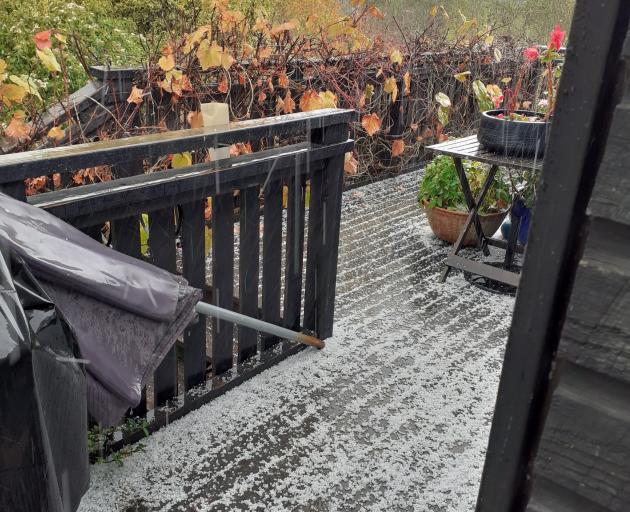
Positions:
{"x": 507, "y": 125}
{"x": 443, "y": 201}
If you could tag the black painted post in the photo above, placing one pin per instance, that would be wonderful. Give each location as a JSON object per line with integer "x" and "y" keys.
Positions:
{"x": 294, "y": 249}
{"x": 272, "y": 256}
{"x": 323, "y": 235}
{"x": 249, "y": 251}
{"x": 164, "y": 255}
{"x": 14, "y": 189}
{"x": 222, "y": 279}
{"x": 194, "y": 270}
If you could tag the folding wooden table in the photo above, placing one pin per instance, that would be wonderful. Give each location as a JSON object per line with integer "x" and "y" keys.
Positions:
{"x": 468, "y": 148}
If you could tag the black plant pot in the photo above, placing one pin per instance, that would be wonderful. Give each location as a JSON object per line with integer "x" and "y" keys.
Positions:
{"x": 513, "y": 138}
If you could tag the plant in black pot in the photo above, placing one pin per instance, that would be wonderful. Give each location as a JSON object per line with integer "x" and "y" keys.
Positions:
{"x": 509, "y": 126}
{"x": 443, "y": 201}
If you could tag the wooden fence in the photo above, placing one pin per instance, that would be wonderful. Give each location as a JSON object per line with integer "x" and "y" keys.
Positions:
{"x": 212, "y": 366}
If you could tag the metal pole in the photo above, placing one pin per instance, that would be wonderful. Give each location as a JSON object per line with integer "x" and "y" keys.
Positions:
{"x": 203, "y": 308}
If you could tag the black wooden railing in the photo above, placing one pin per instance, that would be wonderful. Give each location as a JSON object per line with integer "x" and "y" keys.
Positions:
{"x": 317, "y": 161}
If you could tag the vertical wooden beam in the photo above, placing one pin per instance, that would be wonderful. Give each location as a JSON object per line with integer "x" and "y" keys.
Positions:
{"x": 222, "y": 279}
{"x": 249, "y": 250}
{"x": 574, "y": 151}
{"x": 294, "y": 250}
{"x": 164, "y": 255}
{"x": 323, "y": 236}
{"x": 194, "y": 270}
{"x": 272, "y": 256}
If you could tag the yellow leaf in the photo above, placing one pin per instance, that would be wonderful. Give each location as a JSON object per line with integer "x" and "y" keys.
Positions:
{"x": 27, "y": 83}
{"x": 166, "y": 62}
{"x": 10, "y": 94}
{"x": 181, "y": 160}
{"x": 56, "y": 133}
{"x": 443, "y": 100}
{"x": 391, "y": 87}
{"x": 248, "y": 50}
{"x": 506, "y": 80}
{"x": 369, "y": 92}
{"x": 310, "y": 100}
{"x": 434, "y": 10}
{"x": 135, "y": 96}
{"x": 48, "y": 60}
{"x": 371, "y": 123}
{"x": 209, "y": 55}
{"x": 3, "y": 68}
{"x": 396, "y": 57}
{"x": 61, "y": 38}
{"x": 226, "y": 60}
{"x": 283, "y": 80}
{"x": 498, "y": 55}
{"x": 398, "y": 148}
{"x": 461, "y": 77}
{"x": 264, "y": 52}
{"x": 329, "y": 100}
{"x": 407, "y": 82}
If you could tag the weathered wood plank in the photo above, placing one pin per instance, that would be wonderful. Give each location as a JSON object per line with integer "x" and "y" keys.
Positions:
{"x": 550, "y": 497}
{"x": 585, "y": 446}
{"x": 30, "y": 164}
{"x": 194, "y": 270}
{"x": 222, "y": 280}
{"x": 323, "y": 236}
{"x": 597, "y": 329}
{"x": 584, "y": 110}
{"x": 89, "y": 204}
{"x": 611, "y": 196}
{"x": 249, "y": 249}
{"x": 272, "y": 256}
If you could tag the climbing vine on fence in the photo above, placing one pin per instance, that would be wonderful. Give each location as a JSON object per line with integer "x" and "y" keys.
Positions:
{"x": 397, "y": 82}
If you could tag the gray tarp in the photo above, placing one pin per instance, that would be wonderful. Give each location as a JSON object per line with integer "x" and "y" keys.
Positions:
{"x": 125, "y": 313}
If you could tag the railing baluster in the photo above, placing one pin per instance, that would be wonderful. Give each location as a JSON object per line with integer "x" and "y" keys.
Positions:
{"x": 222, "y": 279}
{"x": 164, "y": 255}
{"x": 272, "y": 256}
{"x": 294, "y": 251}
{"x": 194, "y": 269}
{"x": 323, "y": 236}
{"x": 248, "y": 269}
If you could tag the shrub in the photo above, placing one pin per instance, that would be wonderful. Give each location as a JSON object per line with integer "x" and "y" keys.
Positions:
{"x": 440, "y": 186}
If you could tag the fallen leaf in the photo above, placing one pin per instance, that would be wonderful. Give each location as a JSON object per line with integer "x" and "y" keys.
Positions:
{"x": 398, "y": 148}
{"x": 135, "y": 96}
{"x": 371, "y": 123}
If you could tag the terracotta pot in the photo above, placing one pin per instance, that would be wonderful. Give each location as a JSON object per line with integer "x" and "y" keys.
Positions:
{"x": 447, "y": 224}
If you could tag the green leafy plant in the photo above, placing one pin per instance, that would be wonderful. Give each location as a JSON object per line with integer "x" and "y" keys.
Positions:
{"x": 99, "y": 439}
{"x": 440, "y": 186}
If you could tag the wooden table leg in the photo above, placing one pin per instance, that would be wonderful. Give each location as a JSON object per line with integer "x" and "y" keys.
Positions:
{"x": 515, "y": 227}
{"x": 473, "y": 216}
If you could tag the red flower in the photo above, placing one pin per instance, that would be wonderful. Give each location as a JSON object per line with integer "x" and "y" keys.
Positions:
{"x": 531, "y": 54}
{"x": 501, "y": 116}
{"x": 556, "y": 38}
{"x": 497, "y": 100}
